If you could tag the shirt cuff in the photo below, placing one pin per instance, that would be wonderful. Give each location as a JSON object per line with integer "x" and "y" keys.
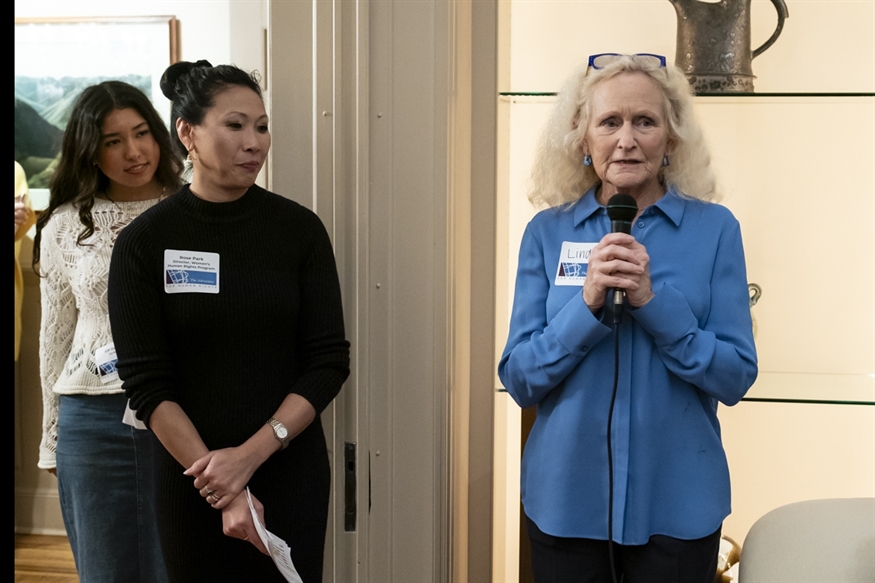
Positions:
{"x": 576, "y": 328}
{"x": 667, "y": 316}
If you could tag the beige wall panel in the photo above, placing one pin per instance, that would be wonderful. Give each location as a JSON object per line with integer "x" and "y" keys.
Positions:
{"x": 781, "y": 453}
{"x": 821, "y": 41}
{"x": 550, "y": 38}
{"x": 506, "y": 492}
{"x": 527, "y": 117}
{"x": 503, "y": 274}
{"x": 826, "y": 46}
{"x": 800, "y": 180}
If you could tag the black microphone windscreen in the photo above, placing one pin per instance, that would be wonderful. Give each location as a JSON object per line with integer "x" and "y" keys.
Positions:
{"x": 622, "y": 207}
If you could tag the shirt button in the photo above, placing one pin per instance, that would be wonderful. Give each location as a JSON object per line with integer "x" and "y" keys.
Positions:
{"x": 585, "y": 348}
{"x": 641, "y": 224}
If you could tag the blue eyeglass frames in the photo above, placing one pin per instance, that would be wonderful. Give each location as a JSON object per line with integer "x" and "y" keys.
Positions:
{"x": 602, "y": 60}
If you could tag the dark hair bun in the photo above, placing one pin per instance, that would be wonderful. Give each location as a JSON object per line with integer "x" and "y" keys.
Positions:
{"x": 192, "y": 88}
{"x": 176, "y": 71}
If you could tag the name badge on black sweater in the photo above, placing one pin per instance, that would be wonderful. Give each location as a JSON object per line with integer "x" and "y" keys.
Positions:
{"x": 190, "y": 272}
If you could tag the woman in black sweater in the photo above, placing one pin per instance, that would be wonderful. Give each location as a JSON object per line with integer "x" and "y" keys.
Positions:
{"x": 226, "y": 309}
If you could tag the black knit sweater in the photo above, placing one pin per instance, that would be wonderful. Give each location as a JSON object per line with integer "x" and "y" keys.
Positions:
{"x": 229, "y": 359}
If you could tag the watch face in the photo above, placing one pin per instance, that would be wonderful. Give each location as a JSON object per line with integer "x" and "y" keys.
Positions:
{"x": 281, "y": 432}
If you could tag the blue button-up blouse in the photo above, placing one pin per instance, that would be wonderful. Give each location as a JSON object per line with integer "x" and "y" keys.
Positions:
{"x": 688, "y": 348}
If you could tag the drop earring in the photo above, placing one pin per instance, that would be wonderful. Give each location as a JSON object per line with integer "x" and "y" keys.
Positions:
{"x": 665, "y": 160}
{"x": 587, "y": 160}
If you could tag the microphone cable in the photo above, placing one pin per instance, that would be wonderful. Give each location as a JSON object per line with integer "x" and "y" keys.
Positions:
{"x": 618, "y": 316}
{"x": 622, "y": 209}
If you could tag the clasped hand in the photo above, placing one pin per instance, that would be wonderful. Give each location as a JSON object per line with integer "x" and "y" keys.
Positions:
{"x": 618, "y": 261}
{"x": 222, "y": 474}
{"x": 237, "y": 520}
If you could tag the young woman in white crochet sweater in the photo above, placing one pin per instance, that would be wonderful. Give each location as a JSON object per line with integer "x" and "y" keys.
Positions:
{"x": 116, "y": 161}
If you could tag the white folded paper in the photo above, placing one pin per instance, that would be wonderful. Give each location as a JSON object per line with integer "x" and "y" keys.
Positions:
{"x": 130, "y": 417}
{"x": 279, "y": 550}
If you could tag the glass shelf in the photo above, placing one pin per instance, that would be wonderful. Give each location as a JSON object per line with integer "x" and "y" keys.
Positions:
{"x": 822, "y": 389}
{"x": 831, "y": 389}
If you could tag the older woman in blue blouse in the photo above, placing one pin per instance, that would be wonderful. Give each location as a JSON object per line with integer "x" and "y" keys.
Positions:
{"x": 624, "y": 124}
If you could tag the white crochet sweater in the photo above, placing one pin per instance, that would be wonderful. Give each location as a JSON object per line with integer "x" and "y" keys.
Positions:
{"x": 75, "y": 318}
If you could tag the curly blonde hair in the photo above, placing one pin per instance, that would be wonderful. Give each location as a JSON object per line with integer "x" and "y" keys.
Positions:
{"x": 559, "y": 176}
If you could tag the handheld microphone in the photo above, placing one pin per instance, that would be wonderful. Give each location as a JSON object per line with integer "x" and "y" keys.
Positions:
{"x": 622, "y": 209}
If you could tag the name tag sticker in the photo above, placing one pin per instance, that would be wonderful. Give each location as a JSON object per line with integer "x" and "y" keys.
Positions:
{"x": 105, "y": 359}
{"x": 573, "y": 262}
{"x": 191, "y": 272}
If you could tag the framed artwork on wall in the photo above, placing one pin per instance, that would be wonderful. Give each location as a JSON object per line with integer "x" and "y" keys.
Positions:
{"x": 56, "y": 58}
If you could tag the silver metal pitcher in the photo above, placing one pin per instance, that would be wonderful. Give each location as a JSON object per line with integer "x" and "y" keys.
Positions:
{"x": 713, "y": 46}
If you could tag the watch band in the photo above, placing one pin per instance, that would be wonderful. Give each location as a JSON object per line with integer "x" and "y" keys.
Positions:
{"x": 280, "y": 432}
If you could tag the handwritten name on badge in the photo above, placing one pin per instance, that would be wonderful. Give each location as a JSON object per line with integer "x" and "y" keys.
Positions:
{"x": 191, "y": 272}
{"x": 573, "y": 262}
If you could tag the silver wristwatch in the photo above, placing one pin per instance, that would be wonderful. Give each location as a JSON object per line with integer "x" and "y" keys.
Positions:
{"x": 280, "y": 432}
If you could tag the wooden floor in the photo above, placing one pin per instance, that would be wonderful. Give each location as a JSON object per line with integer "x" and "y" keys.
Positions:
{"x": 44, "y": 558}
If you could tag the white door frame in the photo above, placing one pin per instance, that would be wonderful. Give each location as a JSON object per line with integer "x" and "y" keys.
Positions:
{"x": 373, "y": 108}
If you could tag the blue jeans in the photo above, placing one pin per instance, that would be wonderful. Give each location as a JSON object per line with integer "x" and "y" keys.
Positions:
{"x": 105, "y": 485}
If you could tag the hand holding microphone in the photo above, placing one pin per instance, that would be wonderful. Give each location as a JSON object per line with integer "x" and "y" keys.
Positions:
{"x": 618, "y": 258}
{"x": 622, "y": 209}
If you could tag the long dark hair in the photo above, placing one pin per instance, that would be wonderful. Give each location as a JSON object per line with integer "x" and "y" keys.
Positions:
{"x": 78, "y": 178}
{"x": 192, "y": 88}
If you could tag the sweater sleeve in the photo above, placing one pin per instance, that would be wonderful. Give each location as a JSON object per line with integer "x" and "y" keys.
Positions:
{"x": 718, "y": 356}
{"x": 134, "y": 298}
{"x": 540, "y": 354}
{"x": 323, "y": 346}
{"x": 57, "y": 327}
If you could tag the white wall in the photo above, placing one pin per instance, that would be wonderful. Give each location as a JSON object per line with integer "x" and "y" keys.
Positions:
{"x": 220, "y": 31}
{"x": 206, "y": 25}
